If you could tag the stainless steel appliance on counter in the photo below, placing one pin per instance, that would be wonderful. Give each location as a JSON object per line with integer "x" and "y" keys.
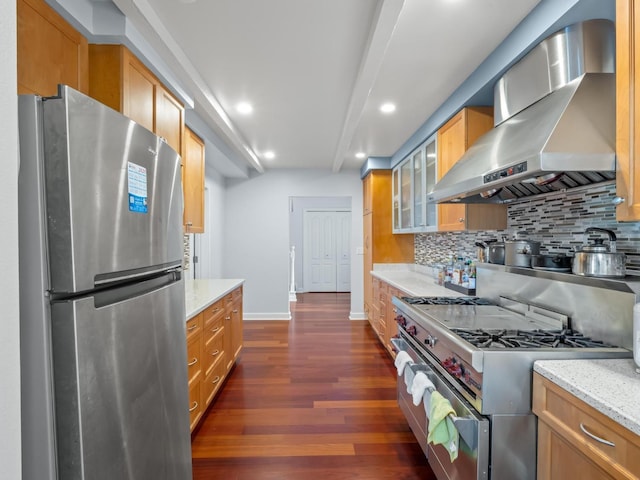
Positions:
{"x": 479, "y": 354}
{"x": 103, "y": 348}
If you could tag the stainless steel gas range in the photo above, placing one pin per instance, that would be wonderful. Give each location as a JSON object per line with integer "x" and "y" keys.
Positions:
{"x": 479, "y": 354}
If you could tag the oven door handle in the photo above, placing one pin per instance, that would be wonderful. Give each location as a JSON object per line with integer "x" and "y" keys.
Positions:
{"x": 468, "y": 430}
{"x": 467, "y": 426}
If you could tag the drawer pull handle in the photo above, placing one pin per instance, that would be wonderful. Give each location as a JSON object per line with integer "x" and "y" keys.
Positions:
{"x": 215, "y": 329}
{"x": 227, "y": 318}
{"x": 596, "y": 438}
{"x": 235, "y": 311}
{"x": 213, "y": 354}
{"x": 192, "y": 327}
{"x": 216, "y": 380}
{"x": 195, "y": 405}
{"x": 193, "y": 362}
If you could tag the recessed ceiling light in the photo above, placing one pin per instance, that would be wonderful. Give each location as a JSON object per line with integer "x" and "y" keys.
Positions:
{"x": 387, "y": 108}
{"x": 244, "y": 108}
{"x": 361, "y": 155}
{"x": 269, "y": 155}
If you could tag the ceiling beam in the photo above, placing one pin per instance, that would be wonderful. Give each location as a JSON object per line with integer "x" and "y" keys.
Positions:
{"x": 382, "y": 27}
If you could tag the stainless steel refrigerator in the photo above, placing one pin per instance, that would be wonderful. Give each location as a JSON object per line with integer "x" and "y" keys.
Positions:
{"x": 103, "y": 349}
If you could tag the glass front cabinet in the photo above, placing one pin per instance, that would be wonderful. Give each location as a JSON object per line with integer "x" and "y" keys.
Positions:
{"x": 413, "y": 178}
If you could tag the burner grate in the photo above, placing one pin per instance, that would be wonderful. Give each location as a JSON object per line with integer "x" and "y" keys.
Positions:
{"x": 566, "y": 338}
{"x": 447, "y": 301}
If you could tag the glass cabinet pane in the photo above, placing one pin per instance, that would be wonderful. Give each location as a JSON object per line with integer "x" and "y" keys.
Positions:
{"x": 396, "y": 198}
{"x": 418, "y": 189}
{"x": 430, "y": 181}
{"x": 406, "y": 199}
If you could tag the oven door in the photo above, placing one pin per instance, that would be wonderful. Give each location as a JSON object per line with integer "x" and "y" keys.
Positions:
{"x": 473, "y": 454}
{"x": 416, "y": 416}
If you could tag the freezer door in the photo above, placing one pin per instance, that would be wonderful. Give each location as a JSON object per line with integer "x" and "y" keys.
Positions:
{"x": 113, "y": 193}
{"x": 120, "y": 383}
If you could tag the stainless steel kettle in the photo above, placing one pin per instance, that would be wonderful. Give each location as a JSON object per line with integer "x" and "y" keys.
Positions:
{"x": 599, "y": 260}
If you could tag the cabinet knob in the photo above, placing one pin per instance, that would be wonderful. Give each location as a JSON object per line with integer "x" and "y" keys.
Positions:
{"x": 461, "y": 220}
{"x": 618, "y": 200}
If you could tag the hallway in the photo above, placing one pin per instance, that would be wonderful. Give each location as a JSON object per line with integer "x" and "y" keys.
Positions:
{"x": 313, "y": 398}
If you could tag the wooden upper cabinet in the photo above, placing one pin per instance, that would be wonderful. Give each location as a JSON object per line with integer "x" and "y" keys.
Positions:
{"x": 121, "y": 81}
{"x": 169, "y": 118}
{"x": 50, "y": 51}
{"x": 366, "y": 195}
{"x": 453, "y": 140}
{"x": 193, "y": 182}
{"x": 138, "y": 92}
{"x": 627, "y": 104}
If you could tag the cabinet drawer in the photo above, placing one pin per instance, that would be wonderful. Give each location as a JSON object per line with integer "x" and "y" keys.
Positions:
{"x": 213, "y": 325}
{"x": 194, "y": 362}
{"x": 194, "y": 326}
{"x": 213, "y": 381}
{"x": 212, "y": 312}
{"x": 237, "y": 293}
{"x": 579, "y": 424}
{"x": 195, "y": 404}
{"x": 214, "y": 349}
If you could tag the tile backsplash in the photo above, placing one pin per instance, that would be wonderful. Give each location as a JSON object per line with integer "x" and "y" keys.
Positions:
{"x": 557, "y": 220}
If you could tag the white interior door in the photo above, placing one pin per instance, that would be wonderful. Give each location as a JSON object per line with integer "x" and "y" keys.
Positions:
{"x": 326, "y": 264}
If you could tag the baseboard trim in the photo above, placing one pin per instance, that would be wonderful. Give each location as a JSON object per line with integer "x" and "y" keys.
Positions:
{"x": 267, "y": 316}
{"x": 357, "y": 316}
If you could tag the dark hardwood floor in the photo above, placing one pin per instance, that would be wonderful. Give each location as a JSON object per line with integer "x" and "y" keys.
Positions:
{"x": 313, "y": 398}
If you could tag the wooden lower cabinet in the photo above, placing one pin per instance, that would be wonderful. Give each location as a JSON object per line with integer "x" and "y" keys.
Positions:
{"x": 194, "y": 369}
{"x": 383, "y": 312}
{"x": 214, "y": 342}
{"x": 568, "y": 433}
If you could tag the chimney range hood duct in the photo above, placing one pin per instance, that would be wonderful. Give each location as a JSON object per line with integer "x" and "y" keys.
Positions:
{"x": 554, "y": 113}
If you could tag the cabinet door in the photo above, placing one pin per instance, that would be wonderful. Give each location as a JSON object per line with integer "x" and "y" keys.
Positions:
{"x": 418, "y": 184}
{"x": 406, "y": 197}
{"x": 368, "y": 264}
{"x": 558, "y": 460}
{"x": 236, "y": 323}
{"x": 50, "y": 51}
{"x": 453, "y": 140}
{"x": 366, "y": 194}
{"x": 627, "y": 105}
{"x": 193, "y": 182}
{"x": 138, "y": 92}
{"x": 451, "y": 146}
{"x": 395, "y": 198}
{"x": 169, "y": 118}
{"x": 430, "y": 177}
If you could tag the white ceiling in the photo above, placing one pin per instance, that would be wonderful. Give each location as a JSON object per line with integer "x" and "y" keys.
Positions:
{"x": 316, "y": 71}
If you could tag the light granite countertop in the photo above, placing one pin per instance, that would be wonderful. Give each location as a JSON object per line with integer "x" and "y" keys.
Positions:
{"x": 199, "y": 294}
{"x": 415, "y": 280}
{"x": 611, "y": 386}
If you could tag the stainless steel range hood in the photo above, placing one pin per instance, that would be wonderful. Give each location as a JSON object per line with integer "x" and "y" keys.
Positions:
{"x": 555, "y": 123}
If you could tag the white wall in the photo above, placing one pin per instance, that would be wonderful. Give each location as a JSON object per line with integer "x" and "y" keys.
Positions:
{"x": 10, "y": 451}
{"x": 256, "y": 238}
{"x": 214, "y": 224}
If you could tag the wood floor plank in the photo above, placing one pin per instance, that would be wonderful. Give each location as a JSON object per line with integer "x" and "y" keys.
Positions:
{"x": 311, "y": 398}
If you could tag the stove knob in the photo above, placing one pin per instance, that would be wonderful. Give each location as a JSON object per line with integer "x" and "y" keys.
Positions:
{"x": 430, "y": 341}
{"x": 412, "y": 330}
{"x": 400, "y": 320}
